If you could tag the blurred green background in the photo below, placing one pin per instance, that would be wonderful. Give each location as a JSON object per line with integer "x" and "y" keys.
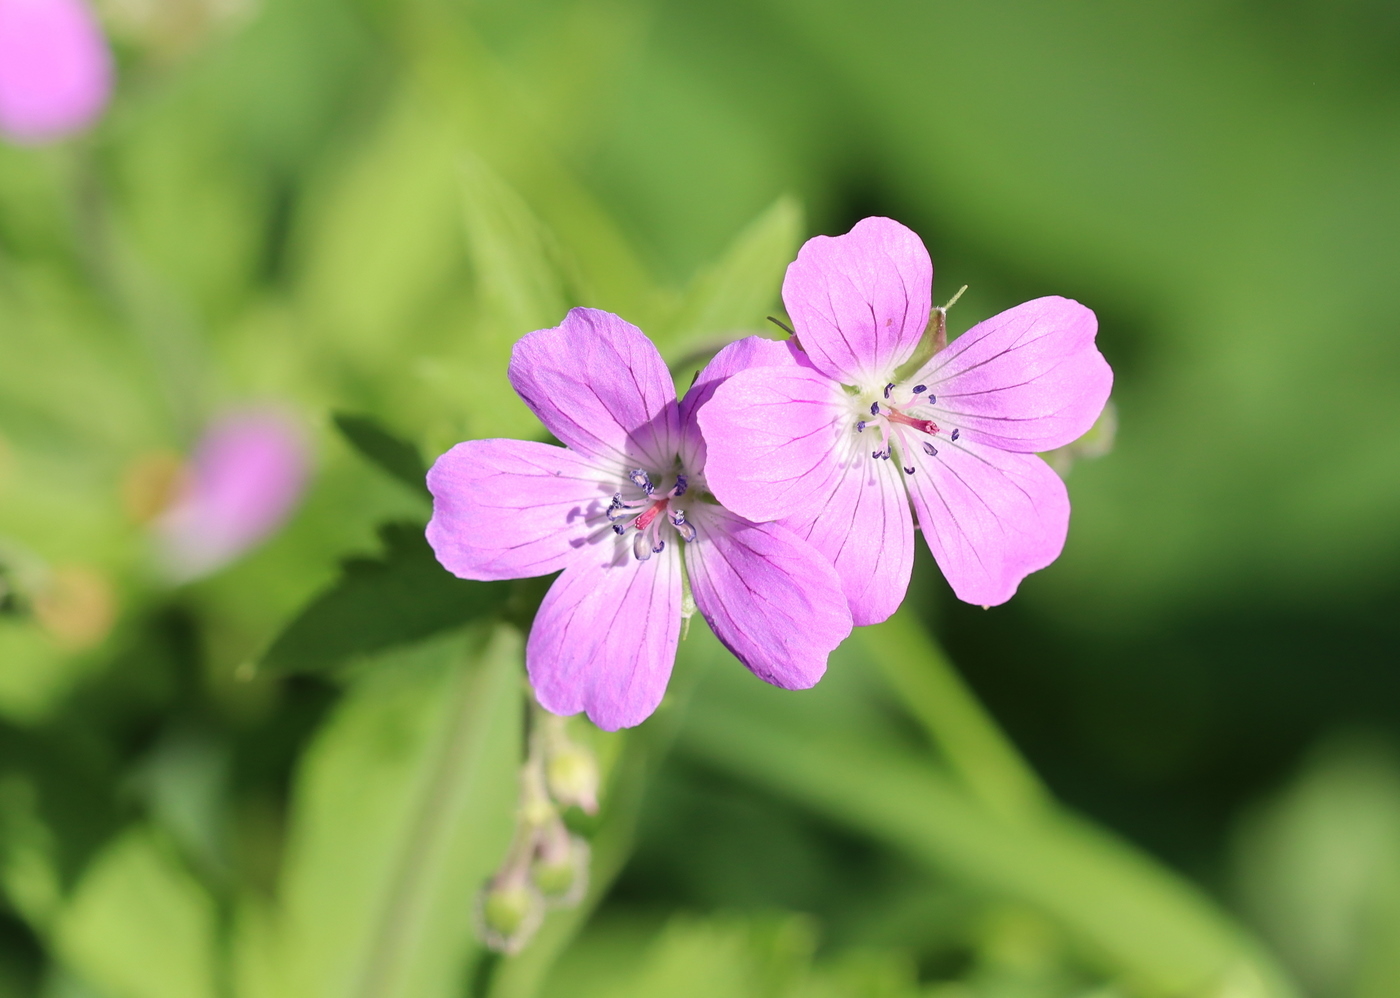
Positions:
{"x": 291, "y": 777}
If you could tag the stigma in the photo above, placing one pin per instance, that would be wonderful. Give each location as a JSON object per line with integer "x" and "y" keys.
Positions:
{"x": 894, "y": 417}
{"x": 649, "y": 514}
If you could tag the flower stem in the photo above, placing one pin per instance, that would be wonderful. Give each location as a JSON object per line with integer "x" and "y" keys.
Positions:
{"x": 975, "y": 748}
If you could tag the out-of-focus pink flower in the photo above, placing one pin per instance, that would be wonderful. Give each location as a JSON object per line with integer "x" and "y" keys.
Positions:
{"x": 246, "y": 476}
{"x": 55, "y": 69}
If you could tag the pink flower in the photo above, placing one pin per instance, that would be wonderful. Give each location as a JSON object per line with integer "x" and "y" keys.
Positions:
{"x": 623, "y": 509}
{"x": 246, "y": 477}
{"x": 55, "y": 69}
{"x": 836, "y": 444}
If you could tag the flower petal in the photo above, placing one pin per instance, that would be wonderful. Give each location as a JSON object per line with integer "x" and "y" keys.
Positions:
{"x": 989, "y": 516}
{"x": 751, "y": 351}
{"x": 247, "y": 475}
{"x": 769, "y": 596}
{"x": 604, "y": 640}
{"x": 597, "y": 383}
{"x": 774, "y": 436}
{"x": 860, "y": 302}
{"x": 1029, "y": 379}
{"x": 512, "y": 509}
{"x": 55, "y": 69}
{"x": 862, "y": 525}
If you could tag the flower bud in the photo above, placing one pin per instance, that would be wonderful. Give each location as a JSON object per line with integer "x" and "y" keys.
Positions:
{"x": 509, "y": 911}
{"x": 560, "y": 869}
{"x": 572, "y": 773}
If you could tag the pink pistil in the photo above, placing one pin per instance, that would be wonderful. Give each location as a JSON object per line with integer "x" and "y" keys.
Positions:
{"x": 650, "y": 513}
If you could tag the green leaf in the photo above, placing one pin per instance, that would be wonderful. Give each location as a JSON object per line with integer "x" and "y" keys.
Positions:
{"x": 521, "y": 286}
{"x": 139, "y": 926}
{"x": 401, "y": 809}
{"x": 395, "y": 455}
{"x": 1133, "y": 916}
{"x": 969, "y": 739}
{"x": 378, "y": 603}
{"x": 733, "y": 295}
{"x": 1318, "y": 868}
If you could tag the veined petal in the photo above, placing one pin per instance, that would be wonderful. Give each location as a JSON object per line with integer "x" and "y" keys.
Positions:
{"x": 774, "y": 437}
{"x": 863, "y": 526}
{"x": 860, "y": 302}
{"x": 512, "y": 509}
{"x": 751, "y": 351}
{"x": 990, "y": 517}
{"x": 597, "y": 383}
{"x": 604, "y": 640}
{"x": 768, "y": 595}
{"x": 1029, "y": 379}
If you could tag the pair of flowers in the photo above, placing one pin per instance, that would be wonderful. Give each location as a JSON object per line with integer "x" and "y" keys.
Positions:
{"x": 780, "y": 485}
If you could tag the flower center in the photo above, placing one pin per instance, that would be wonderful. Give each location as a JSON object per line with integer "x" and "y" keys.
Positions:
{"x": 644, "y": 514}
{"x": 894, "y": 419}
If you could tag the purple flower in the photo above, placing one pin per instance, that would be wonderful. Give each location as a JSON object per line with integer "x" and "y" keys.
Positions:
{"x": 836, "y": 442}
{"x": 55, "y": 69}
{"x": 247, "y": 475}
{"x": 624, "y": 510}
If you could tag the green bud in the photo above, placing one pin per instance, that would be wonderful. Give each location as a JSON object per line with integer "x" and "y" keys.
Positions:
{"x": 572, "y": 773}
{"x": 508, "y": 914}
{"x": 560, "y": 869}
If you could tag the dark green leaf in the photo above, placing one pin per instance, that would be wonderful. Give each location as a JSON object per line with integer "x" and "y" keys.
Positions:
{"x": 379, "y": 603}
{"x": 395, "y": 455}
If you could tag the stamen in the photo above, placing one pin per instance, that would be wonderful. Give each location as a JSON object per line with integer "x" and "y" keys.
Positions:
{"x": 887, "y": 389}
{"x": 642, "y": 480}
{"x": 860, "y": 426}
{"x": 933, "y": 400}
{"x": 682, "y": 483}
{"x": 920, "y": 389}
{"x": 683, "y": 528}
{"x": 641, "y": 546}
{"x": 930, "y": 450}
{"x": 955, "y": 434}
{"x": 908, "y": 471}
{"x": 619, "y": 529}
{"x": 874, "y": 408}
{"x": 660, "y": 546}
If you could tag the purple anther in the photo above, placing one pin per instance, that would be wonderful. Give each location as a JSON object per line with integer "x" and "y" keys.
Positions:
{"x": 887, "y": 389}
{"x": 642, "y": 480}
{"x": 683, "y": 528}
{"x": 930, "y": 450}
{"x": 920, "y": 389}
{"x": 874, "y": 408}
{"x": 875, "y": 454}
{"x": 860, "y": 426}
{"x": 682, "y": 483}
{"x": 908, "y": 471}
{"x": 660, "y": 546}
{"x": 955, "y": 435}
{"x": 933, "y": 400}
{"x": 619, "y": 529}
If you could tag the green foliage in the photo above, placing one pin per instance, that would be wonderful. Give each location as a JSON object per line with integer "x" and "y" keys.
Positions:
{"x": 401, "y": 809}
{"x": 396, "y": 456}
{"x": 379, "y": 603}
